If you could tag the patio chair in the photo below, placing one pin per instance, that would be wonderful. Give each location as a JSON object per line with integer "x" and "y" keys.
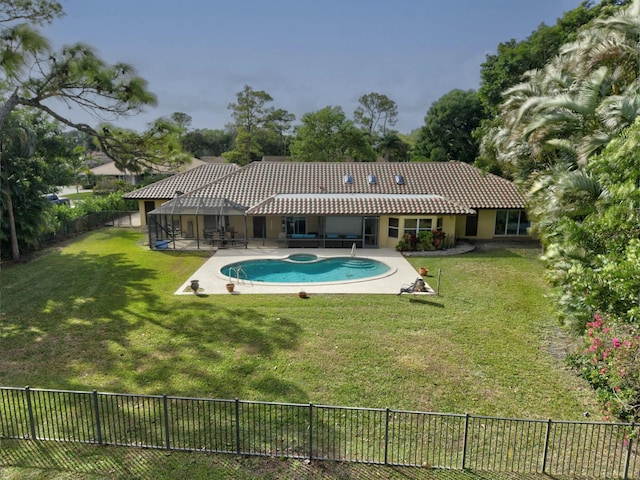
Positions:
{"x": 216, "y": 237}
{"x": 237, "y": 238}
{"x": 208, "y": 235}
{"x": 417, "y": 286}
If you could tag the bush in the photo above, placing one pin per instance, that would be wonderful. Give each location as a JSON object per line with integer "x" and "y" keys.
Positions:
{"x": 408, "y": 243}
{"x": 425, "y": 240}
{"x": 610, "y": 362}
{"x": 109, "y": 203}
{"x": 109, "y": 185}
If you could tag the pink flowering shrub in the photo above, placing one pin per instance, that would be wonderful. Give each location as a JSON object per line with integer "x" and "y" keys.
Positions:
{"x": 610, "y": 361}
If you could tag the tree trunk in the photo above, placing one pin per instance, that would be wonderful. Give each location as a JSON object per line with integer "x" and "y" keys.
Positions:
{"x": 15, "y": 251}
{"x": 8, "y": 106}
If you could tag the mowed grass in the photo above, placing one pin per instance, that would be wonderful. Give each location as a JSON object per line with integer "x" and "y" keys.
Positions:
{"x": 99, "y": 313}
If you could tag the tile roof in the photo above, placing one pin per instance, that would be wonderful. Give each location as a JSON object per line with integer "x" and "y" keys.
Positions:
{"x": 457, "y": 182}
{"x": 353, "y": 204}
{"x": 110, "y": 168}
{"x": 183, "y": 182}
{"x": 287, "y": 188}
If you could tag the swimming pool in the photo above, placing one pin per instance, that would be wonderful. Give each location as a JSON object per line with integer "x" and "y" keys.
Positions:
{"x": 306, "y": 268}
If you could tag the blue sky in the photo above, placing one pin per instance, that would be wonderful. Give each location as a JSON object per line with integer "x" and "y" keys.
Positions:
{"x": 307, "y": 54}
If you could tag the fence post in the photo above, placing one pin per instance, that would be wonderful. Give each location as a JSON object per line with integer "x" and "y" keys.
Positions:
{"x": 438, "y": 285}
{"x": 96, "y": 412}
{"x": 627, "y": 460}
{"x": 310, "y": 431}
{"x": 464, "y": 441}
{"x": 165, "y": 406}
{"x": 237, "y": 426}
{"x": 546, "y": 447}
{"x": 386, "y": 436}
{"x": 32, "y": 423}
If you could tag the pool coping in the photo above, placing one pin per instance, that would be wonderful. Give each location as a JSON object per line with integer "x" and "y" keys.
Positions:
{"x": 213, "y": 283}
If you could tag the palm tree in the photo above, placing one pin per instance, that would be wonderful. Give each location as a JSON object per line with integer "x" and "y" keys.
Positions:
{"x": 613, "y": 42}
{"x": 571, "y": 109}
{"x": 16, "y": 143}
{"x": 393, "y": 147}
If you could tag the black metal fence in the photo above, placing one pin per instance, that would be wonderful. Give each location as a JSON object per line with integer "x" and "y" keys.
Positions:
{"x": 319, "y": 432}
{"x": 92, "y": 221}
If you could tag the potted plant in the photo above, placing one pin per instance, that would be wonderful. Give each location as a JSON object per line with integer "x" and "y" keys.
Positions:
{"x": 195, "y": 286}
{"x": 423, "y": 271}
{"x": 230, "y": 287}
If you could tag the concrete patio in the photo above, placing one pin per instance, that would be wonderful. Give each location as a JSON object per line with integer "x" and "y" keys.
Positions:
{"x": 212, "y": 282}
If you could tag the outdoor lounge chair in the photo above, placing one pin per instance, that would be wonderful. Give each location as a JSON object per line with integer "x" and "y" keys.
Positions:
{"x": 417, "y": 286}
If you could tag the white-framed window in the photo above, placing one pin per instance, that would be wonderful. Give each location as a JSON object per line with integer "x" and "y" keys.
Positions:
{"x": 511, "y": 222}
{"x": 417, "y": 225}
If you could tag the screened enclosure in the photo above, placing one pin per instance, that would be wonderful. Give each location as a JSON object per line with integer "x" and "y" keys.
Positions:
{"x": 188, "y": 222}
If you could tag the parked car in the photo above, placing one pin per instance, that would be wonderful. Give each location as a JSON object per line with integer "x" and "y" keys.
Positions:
{"x": 56, "y": 200}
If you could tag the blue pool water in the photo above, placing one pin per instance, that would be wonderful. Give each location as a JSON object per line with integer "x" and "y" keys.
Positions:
{"x": 305, "y": 268}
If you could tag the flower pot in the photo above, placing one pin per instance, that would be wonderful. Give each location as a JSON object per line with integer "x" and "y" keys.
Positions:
{"x": 302, "y": 294}
{"x": 195, "y": 286}
{"x": 423, "y": 271}
{"x": 230, "y": 287}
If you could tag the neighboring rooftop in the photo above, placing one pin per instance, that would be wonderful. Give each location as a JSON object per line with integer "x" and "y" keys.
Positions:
{"x": 184, "y": 182}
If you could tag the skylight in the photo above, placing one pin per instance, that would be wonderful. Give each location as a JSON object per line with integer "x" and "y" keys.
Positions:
{"x": 399, "y": 180}
{"x": 372, "y": 179}
{"x": 348, "y": 179}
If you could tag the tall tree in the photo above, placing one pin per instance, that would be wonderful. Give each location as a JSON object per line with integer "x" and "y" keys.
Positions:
{"x": 505, "y": 68}
{"x": 393, "y": 148}
{"x": 250, "y": 113}
{"x": 327, "y": 136}
{"x": 276, "y": 133}
{"x": 204, "y": 142}
{"x": 33, "y": 154}
{"x": 376, "y": 114}
{"x": 448, "y": 130}
{"x": 34, "y": 76}
{"x": 570, "y": 109}
{"x": 181, "y": 119}
{"x": 77, "y": 168}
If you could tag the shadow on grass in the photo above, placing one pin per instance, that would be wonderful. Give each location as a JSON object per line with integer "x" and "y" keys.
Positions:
{"x": 426, "y": 302}
{"x": 501, "y": 253}
{"x": 28, "y": 459}
{"x": 508, "y": 250}
{"x": 97, "y": 320}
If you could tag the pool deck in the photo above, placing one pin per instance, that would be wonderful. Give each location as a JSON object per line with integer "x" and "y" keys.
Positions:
{"x": 212, "y": 282}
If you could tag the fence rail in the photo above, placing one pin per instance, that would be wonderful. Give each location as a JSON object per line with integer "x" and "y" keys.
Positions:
{"x": 320, "y": 432}
{"x": 89, "y": 222}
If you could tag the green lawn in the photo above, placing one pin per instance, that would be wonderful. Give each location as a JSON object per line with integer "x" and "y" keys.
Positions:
{"x": 99, "y": 313}
{"x": 78, "y": 196}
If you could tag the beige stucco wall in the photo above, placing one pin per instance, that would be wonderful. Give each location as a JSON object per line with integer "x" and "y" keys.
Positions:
{"x": 486, "y": 225}
{"x": 452, "y": 225}
{"x": 273, "y": 226}
{"x": 448, "y": 227}
{"x": 143, "y": 217}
